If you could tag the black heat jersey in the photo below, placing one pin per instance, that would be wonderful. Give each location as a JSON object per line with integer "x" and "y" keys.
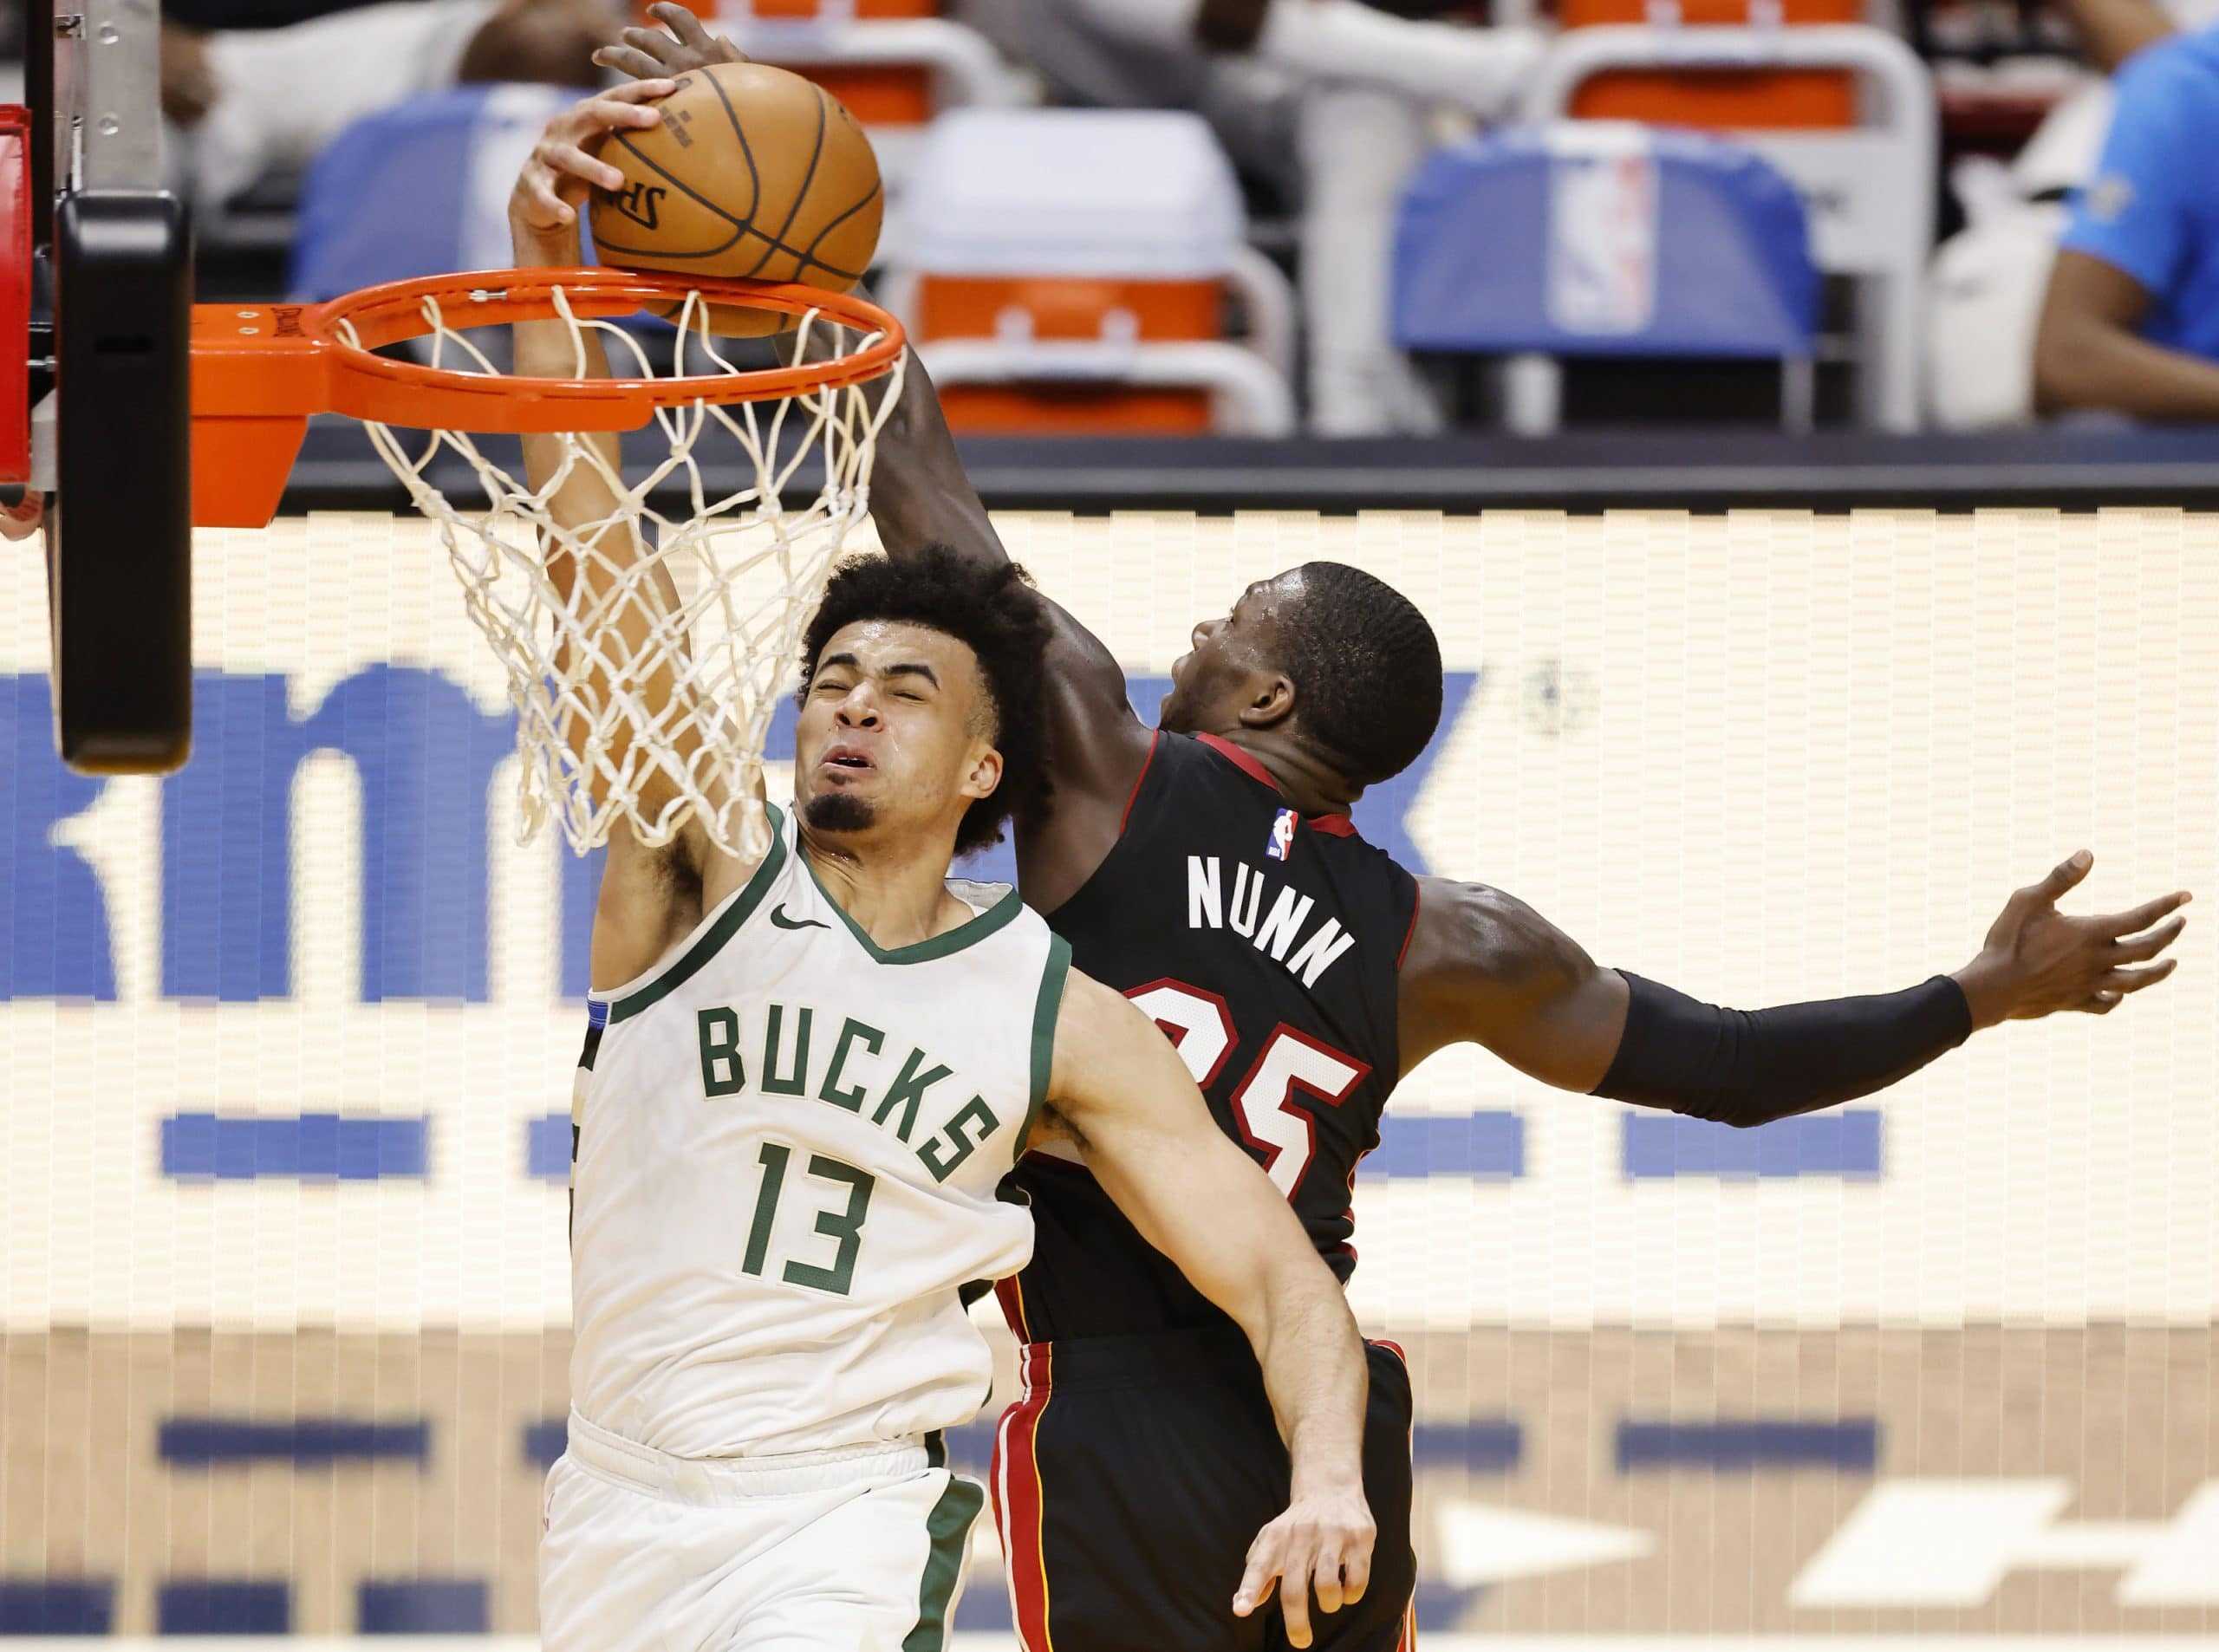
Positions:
{"x": 1266, "y": 946}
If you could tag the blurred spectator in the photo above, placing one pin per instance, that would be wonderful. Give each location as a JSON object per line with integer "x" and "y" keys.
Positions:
{"x": 2062, "y": 154}
{"x": 2131, "y": 321}
{"x": 1329, "y": 98}
{"x": 251, "y": 103}
{"x": 1986, "y": 297}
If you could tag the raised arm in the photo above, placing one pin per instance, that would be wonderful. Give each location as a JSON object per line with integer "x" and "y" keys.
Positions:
{"x": 1119, "y": 1091}
{"x": 1486, "y": 968}
{"x": 920, "y": 496}
{"x": 1098, "y": 747}
{"x": 648, "y": 897}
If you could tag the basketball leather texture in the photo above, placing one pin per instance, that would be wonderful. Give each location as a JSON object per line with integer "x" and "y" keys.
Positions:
{"x": 754, "y": 172}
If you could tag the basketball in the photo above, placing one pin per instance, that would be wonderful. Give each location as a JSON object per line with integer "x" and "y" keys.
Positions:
{"x": 756, "y": 173}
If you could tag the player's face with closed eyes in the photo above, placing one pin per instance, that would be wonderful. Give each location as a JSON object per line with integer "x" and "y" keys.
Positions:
{"x": 893, "y": 730}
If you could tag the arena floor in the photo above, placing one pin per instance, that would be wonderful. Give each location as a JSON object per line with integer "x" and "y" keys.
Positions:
{"x": 1703, "y": 1475}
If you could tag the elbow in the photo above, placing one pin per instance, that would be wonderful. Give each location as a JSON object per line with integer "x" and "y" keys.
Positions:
{"x": 2072, "y": 353}
{"x": 2060, "y": 374}
{"x": 1759, "y": 1102}
{"x": 1736, "y": 1109}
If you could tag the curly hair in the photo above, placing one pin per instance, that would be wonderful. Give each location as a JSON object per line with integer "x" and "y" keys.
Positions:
{"x": 992, "y": 610}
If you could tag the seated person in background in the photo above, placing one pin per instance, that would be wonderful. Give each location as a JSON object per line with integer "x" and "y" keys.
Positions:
{"x": 2061, "y": 155}
{"x": 254, "y": 102}
{"x": 2131, "y": 321}
{"x": 1329, "y": 99}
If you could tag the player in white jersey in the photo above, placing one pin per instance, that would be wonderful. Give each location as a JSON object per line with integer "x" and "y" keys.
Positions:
{"x": 813, "y": 1068}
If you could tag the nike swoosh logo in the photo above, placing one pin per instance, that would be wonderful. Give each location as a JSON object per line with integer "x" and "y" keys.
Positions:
{"x": 779, "y": 920}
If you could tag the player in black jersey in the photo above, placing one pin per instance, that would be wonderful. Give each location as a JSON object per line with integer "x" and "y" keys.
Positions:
{"x": 1209, "y": 869}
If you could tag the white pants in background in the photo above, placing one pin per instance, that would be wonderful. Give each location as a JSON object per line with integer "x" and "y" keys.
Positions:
{"x": 1345, "y": 95}
{"x": 851, "y": 1551}
{"x": 1359, "y": 145}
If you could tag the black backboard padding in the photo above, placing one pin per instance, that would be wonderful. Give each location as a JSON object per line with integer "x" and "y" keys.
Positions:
{"x": 121, "y": 535}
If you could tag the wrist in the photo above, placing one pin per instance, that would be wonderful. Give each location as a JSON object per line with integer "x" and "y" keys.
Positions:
{"x": 537, "y": 248}
{"x": 1324, "y": 1467}
{"x": 1304, "y": 1483}
{"x": 1986, "y": 989}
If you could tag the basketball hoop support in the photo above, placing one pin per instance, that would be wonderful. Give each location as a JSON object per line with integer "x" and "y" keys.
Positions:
{"x": 260, "y": 371}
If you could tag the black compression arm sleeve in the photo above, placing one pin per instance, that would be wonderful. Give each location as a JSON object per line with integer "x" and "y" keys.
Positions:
{"x": 1745, "y": 1067}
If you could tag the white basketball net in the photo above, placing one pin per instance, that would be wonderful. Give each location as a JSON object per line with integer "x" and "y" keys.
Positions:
{"x": 749, "y": 568}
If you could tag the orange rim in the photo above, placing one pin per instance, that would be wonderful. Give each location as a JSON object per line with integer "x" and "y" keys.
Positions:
{"x": 296, "y": 359}
{"x": 259, "y": 372}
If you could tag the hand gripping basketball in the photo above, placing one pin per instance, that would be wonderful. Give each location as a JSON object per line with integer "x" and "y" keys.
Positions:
{"x": 564, "y": 165}
{"x": 753, "y": 173}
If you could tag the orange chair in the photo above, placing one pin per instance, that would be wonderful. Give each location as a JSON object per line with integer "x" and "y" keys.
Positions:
{"x": 1717, "y": 100}
{"x": 1070, "y": 271}
{"x": 894, "y": 63}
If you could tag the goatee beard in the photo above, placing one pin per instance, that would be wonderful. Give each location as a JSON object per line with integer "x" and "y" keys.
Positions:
{"x": 838, "y": 811}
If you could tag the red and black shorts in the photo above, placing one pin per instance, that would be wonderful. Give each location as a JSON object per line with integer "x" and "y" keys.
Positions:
{"x": 1131, "y": 1475}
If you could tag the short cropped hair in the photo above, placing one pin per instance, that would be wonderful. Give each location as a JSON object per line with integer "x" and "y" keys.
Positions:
{"x": 1366, "y": 668}
{"x": 990, "y": 607}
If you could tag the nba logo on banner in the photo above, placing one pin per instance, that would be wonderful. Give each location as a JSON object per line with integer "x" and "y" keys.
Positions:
{"x": 1282, "y": 840}
{"x": 1602, "y": 247}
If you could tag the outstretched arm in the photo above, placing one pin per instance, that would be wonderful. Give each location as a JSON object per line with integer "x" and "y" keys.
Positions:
{"x": 1120, "y": 1092}
{"x": 1486, "y": 968}
{"x": 921, "y": 496}
{"x": 648, "y": 897}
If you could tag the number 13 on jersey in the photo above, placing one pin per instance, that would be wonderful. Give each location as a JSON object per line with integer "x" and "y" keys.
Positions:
{"x": 1291, "y": 1068}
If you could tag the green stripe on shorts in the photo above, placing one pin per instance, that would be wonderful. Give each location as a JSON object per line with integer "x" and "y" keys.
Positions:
{"x": 949, "y": 1525}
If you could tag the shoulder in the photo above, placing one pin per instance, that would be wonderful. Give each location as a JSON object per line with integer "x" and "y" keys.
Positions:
{"x": 1099, "y": 1036}
{"x": 1469, "y": 935}
{"x": 1089, "y": 1019}
{"x": 661, "y": 916}
{"x": 2168, "y": 87}
{"x": 2186, "y": 62}
{"x": 648, "y": 899}
{"x": 1003, "y": 923}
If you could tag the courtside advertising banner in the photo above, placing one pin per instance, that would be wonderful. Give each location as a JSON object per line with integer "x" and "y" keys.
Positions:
{"x": 288, "y": 1041}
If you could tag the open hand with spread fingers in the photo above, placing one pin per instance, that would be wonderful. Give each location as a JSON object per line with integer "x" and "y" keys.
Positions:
{"x": 651, "y": 53}
{"x": 2037, "y": 961}
{"x": 1323, "y": 1541}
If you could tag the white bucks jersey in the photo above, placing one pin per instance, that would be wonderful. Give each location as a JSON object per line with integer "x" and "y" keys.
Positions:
{"x": 787, "y": 1158}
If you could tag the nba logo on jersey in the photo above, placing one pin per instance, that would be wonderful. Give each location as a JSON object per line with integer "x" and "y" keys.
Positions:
{"x": 1282, "y": 840}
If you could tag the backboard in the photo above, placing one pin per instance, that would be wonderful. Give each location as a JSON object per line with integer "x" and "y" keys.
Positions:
{"x": 103, "y": 269}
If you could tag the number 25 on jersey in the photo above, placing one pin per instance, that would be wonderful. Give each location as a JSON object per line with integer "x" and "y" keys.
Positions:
{"x": 1292, "y": 1068}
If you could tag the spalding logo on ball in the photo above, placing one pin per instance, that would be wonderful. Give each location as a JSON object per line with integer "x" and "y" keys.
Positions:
{"x": 754, "y": 173}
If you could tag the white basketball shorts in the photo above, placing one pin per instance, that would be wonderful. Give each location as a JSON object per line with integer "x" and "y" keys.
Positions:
{"x": 860, "y": 1550}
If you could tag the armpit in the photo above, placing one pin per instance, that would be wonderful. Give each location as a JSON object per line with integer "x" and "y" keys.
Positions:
{"x": 1051, "y": 1126}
